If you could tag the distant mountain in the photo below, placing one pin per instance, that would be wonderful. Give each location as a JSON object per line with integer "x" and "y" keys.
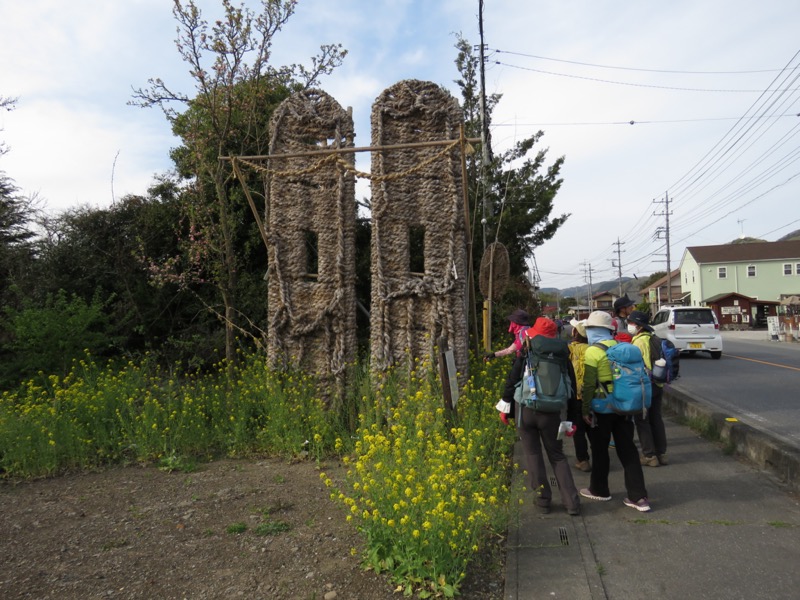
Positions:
{"x": 630, "y": 286}
{"x": 795, "y": 235}
{"x": 746, "y": 240}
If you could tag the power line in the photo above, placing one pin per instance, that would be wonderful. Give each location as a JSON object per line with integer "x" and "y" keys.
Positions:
{"x": 642, "y": 85}
{"x": 586, "y": 64}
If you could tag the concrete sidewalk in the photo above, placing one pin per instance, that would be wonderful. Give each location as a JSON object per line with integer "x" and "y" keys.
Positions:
{"x": 720, "y": 527}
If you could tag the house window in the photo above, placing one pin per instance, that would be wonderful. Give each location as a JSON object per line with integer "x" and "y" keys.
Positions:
{"x": 787, "y": 268}
{"x": 722, "y": 272}
{"x": 751, "y": 270}
{"x": 797, "y": 269}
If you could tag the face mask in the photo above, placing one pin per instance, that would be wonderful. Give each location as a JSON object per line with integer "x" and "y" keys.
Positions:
{"x": 632, "y": 329}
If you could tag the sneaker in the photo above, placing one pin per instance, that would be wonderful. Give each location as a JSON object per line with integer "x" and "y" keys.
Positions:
{"x": 662, "y": 459}
{"x": 583, "y": 465}
{"x": 642, "y": 505}
{"x": 574, "y": 512}
{"x": 649, "y": 461}
{"x": 587, "y": 493}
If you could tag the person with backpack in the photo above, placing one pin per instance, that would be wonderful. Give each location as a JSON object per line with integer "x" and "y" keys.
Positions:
{"x": 577, "y": 350}
{"x": 518, "y": 321}
{"x": 539, "y": 417}
{"x": 622, "y": 308}
{"x": 598, "y": 389}
{"x": 650, "y": 427}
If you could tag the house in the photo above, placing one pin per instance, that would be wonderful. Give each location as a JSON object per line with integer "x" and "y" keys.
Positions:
{"x": 762, "y": 272}
{"x": 658, "y": 294}
{"x": 605, "y": 300}
{"x": 736, "y": 311}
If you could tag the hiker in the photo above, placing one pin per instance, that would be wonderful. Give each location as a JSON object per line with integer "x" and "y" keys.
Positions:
{"x": 597, "y": 370}
{"x": 519, "y": 321}
{"x": 650, "y": 428}
{"x": 622, "y": 308}
{"x": 577, "y": 349}
{"x": 537, "y": 429}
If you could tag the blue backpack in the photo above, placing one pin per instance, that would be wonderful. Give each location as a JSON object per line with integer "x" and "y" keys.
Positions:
{"x": 661, "y": 348}
{"x": 630, "y": 391}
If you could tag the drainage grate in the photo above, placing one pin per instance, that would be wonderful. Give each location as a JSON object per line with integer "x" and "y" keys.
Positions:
{"x": 554, "y": 482}
{"x": 562, "y": 533}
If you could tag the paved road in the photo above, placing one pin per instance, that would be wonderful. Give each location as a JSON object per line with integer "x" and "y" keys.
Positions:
{"x": 756, "y": 380}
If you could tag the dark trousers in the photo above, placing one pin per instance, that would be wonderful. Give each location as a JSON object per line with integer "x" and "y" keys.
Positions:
{"x": 541, "y": 429}
{"x": 651, "y": 430}
{"x": 581, "y": 431}
{"x": 621, "y": 427}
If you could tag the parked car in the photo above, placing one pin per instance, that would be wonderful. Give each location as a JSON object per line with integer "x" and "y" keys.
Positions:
{"x": 690, "y": 328}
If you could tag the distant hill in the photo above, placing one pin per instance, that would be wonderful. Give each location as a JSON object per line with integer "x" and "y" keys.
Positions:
{"x": 630, "y": 286}
{"x": 795, "y": 235}
{"x": 746, "y": 240}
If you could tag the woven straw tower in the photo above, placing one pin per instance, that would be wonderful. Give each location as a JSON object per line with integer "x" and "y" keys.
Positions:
{"x": 311, "y": 213}
{"x": 418, "y": 233}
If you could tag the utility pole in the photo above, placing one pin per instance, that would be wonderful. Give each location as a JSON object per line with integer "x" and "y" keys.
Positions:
{"x": 618, "y": 264}
{"x": 485, "y": 156}
{"x": 587, "y": 273}
{"x": 665, "y": 230}
{"x": 485, "y": 160}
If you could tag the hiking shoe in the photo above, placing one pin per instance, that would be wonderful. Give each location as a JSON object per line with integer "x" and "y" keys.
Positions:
{"x": 642, "y": 505}
{"x": 649, "y": 461}
{"x": 662, "y": 459}
{"x": 587, "y": 493}
{"x": 583, "y": 465}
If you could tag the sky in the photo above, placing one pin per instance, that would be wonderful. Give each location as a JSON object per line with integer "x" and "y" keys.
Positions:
{"x": 694, "y": 102}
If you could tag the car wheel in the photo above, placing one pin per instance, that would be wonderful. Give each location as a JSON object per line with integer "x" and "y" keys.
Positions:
{"x": 716, "y": 355}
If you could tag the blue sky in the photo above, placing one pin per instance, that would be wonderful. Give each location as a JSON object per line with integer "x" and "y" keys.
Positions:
{"x": 580, "y": 70}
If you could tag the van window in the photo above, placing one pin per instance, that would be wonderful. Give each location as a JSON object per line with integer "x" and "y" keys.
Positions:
{"x": 694, "y": 317}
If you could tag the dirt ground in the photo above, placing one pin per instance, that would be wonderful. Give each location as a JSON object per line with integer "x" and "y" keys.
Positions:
{"x": 230, "y": 529}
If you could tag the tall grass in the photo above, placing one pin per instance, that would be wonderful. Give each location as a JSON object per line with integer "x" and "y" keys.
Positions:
{"x": 141, "y": 413}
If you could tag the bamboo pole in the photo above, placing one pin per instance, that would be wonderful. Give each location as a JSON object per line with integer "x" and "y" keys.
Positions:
{"x": 349, "y": 150}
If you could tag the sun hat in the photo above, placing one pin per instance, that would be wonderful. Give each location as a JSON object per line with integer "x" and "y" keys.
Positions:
{"x": 642, "y": 319}
{"x": 543, "y": 326}
{"x": 520, "y": 317}
{"x": 623, "y": 302}
{"x": 600, "y": 318}
{"x": 580, "y": 326}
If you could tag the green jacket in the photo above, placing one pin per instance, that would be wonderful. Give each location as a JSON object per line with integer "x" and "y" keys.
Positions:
{"x": 596, "y": 369}
{"x": 642, "y": 341}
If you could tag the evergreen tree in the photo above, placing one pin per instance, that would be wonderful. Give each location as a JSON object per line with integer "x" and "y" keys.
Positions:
{"x": 518, "y": 187}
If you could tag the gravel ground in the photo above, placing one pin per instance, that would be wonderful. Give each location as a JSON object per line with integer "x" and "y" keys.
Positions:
{"x": 230, "y": 529}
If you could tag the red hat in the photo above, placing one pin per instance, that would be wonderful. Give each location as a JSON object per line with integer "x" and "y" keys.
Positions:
{"x": 543, "y": 326}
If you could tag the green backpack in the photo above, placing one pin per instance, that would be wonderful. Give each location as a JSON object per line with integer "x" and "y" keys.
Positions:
{"x": 545, "y": 385}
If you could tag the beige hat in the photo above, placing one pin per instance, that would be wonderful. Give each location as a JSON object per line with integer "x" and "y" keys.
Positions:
{"x": 599, "y": 318}
{"x": 580, "y": 326}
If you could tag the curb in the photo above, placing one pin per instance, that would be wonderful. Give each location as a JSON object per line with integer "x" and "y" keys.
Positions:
{"x": 767, "y": 452}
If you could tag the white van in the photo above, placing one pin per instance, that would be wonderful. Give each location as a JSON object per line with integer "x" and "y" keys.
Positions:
{"x": 690, "y": 328}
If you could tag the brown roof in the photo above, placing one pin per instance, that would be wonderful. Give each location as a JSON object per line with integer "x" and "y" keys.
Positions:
{"x": 746, "y": 252}
{"x": 719, "y": 297}
{"x": 663, "y": 281}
